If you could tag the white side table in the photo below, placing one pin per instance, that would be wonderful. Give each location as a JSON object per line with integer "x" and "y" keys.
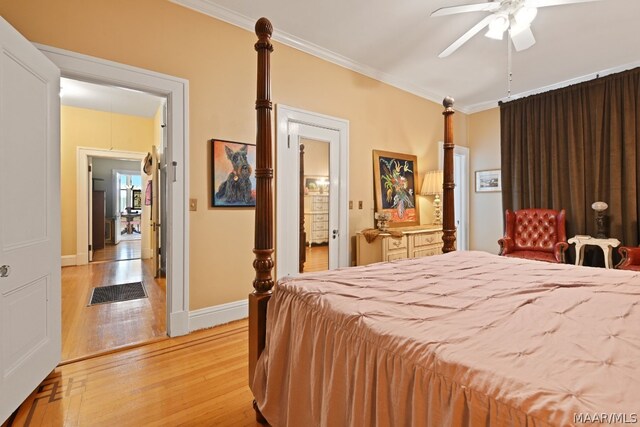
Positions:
{"x": 606, "y": 245}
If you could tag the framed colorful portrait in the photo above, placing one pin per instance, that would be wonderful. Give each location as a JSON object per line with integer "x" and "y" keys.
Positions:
{"x": 233, "y": 181}
{"x": 395, "y": 180}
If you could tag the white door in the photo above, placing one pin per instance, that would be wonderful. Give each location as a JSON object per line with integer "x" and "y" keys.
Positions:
{"x": 90, "y": 208}
{"x": 29, "y": 218}
{"x": 314, "y": 135}
{"x": 288, "y": 187}
{"x": 155, "y": 210}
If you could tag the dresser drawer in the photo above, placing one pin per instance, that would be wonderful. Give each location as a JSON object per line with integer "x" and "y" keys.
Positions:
{"x": 427, "y": 251}
{"x": 320, "y": 235}
{"x": 322, "y": 206}
{"x": 426, "y": 239}
{"x": 391, "y": 256}
{"x": 393, "y": 244}
{"x": 320, "y": 218}
{"x": 320, "y": 226}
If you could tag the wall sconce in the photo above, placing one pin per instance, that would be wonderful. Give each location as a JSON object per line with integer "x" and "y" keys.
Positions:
{"x": 432, "y": 186}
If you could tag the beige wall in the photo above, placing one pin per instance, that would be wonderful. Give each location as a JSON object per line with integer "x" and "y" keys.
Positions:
{"x": 485, "y": 210}
{"x": 80, "y": 127}
{"x": 219, "y": 61}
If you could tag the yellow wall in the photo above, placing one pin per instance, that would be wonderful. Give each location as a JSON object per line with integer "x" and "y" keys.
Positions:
{"x": 81, "y": 127}
{"x": 219, "y": 61}
{"x": 485, "y": 210}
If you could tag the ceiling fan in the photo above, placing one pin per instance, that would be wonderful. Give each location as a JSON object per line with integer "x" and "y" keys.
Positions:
{"x": 515, "y": 16}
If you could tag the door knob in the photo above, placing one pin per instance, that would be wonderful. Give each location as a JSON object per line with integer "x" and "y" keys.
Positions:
{"x": 5, "y": 270}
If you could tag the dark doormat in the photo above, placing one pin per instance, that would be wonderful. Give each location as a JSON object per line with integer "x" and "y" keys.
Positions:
{"x": 115, "y": 293}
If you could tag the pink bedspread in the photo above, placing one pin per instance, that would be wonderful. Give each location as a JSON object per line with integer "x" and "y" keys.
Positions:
{"x": 466, "y": 338}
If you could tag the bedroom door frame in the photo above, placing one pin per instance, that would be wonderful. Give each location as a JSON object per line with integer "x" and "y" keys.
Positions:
{"x": 287, "y": 192}
{"x": 176, "y": 90}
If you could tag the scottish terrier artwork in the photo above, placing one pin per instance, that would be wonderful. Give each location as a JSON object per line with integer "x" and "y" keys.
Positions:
{"x": 233, "y": 180}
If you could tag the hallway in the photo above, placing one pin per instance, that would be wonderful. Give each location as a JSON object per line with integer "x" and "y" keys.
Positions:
{"x": 88, "y": 330}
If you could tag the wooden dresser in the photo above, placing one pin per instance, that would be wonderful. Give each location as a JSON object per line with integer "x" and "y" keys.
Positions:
{"x": 419, "y": 241}
{"x": 316, "y": 218}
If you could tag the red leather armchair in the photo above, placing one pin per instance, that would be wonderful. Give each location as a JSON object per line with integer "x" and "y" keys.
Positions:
{"x": 630, "y": 258}
{"x": 535, "y": 234}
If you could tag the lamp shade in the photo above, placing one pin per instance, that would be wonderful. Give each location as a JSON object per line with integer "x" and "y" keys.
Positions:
{"x": 432, "y": 183}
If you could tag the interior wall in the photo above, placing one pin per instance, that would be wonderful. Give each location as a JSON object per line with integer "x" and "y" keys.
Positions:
{"x": 219, "y": 61}
{"x": 80, "y": 127}
{"x": 485, "y": 209}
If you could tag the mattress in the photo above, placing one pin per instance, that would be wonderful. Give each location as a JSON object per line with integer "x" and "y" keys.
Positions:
{"x": 461, "y": 339}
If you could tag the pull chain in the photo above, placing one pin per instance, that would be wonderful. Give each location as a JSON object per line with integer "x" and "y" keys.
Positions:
{"x": 509, "y": 72}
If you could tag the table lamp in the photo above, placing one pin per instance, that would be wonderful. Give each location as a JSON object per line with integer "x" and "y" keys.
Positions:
{"x": 432, "y": 186}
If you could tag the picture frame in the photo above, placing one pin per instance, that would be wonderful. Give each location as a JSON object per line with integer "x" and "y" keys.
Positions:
{"x": 395, "y": 180}
{"x": 316, "y": 184}
{"x": 233, "y": 181}
{"x": 136, "y": 199}
{"x": 488, "y": 181}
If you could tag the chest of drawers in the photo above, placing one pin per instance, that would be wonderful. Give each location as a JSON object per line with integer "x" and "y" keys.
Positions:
{"x": 415, "y": 242}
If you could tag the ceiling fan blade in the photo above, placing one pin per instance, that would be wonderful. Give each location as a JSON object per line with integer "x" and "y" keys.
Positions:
{"x": 480, "y": 7}
{"x": 522, "y": 39}
{"x": 545, "y": 3}
{"x": 466, "y": 36}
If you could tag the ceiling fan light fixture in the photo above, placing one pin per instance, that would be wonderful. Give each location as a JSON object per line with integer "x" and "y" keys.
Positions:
{"x": 525, "y": 15}
{"x": 498, "y": 26}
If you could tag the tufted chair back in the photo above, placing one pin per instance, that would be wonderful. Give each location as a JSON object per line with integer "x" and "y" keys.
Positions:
{"x": 536, "y": 234}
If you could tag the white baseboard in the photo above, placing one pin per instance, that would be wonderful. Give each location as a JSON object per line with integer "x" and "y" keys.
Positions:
{"x": 218, "y": 314}
{"x": 68, "y": 260}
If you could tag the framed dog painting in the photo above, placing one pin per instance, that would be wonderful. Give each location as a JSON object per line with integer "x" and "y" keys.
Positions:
{"x": 233, "y": 182}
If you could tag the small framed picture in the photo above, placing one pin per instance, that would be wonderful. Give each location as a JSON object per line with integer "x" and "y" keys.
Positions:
{"x": 488, "y": 181}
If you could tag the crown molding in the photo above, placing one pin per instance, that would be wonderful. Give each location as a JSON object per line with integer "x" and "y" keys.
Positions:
{"x": 475, "y": 108}
{"x": 231, "y": 17}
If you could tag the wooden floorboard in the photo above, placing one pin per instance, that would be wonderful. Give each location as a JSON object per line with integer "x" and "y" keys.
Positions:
{"x": 89, "y": 330}
{"x": 317, "y": 258}
{"x": 126, "y": 249}
{"x": 196, "y": 380}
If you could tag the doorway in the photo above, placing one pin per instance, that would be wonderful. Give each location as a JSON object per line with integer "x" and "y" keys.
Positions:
{"x": 116, "y": 210}
{"x": 312, "y": 192}
{"x": 118, "y": 130}
{"x": 174, "y": 164}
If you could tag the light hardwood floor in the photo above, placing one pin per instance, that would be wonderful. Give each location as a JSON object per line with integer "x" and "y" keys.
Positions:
{"x": 88, "y": 330}
{"x": 196, "y": 380}
{"x": 317, "y": 258}
{"x": 126, "y": 249}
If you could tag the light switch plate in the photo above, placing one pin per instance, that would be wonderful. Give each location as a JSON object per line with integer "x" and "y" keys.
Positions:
{"x": 193, "y": 204}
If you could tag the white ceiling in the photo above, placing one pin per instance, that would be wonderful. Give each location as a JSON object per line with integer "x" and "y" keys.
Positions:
{"x": 81, "y": 94}
{"x": 397, "y": 42}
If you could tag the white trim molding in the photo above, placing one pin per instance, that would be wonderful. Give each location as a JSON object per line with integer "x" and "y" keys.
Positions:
{"x": 68, "y": 260}
{"x": 176, "y": 90}
{"x": 218, "y": 314}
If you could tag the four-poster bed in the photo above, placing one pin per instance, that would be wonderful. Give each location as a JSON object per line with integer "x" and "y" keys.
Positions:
{"x": 465, "y": 338}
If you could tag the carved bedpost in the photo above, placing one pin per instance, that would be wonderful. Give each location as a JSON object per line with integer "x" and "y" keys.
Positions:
{"x": 303, "y": 234}
{"x": 448, "y": 222}
{"x": 263, "y": 250}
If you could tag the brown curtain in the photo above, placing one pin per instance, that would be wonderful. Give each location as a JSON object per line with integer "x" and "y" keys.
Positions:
{"x": 568, "y": 148}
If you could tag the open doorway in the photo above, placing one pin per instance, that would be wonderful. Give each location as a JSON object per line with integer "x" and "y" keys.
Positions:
{"x": 116, "y": 210}
{"x": 108, "y": 132}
